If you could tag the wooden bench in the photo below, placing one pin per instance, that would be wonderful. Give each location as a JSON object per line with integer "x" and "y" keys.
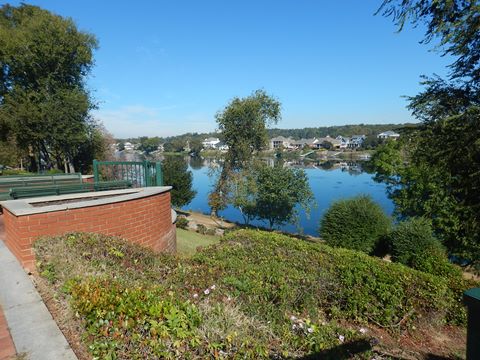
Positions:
{"x": 39, "y": 191}
{"x": 17, "y": 181}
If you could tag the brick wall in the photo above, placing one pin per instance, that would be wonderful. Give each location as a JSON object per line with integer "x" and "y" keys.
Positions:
{"x": 146, "y": 221}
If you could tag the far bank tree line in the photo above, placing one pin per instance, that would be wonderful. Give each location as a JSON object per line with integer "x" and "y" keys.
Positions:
{"x": 193, "y": 141}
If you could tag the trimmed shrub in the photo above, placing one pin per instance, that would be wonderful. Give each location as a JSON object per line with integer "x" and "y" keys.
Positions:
{"x": 413, "y": 244}
{"x": 357, "y": 223}
{"x": 182, "y": 222}
{"x": 201, "y": 229}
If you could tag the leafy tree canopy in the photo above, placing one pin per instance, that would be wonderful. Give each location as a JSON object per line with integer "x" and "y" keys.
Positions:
{"x": 280, "y": 193}
{"x": 176, "y": 174}
{"x": 243, "y": 125}
{"x": 44, "y": 104}
{"x": 437, "y": 177}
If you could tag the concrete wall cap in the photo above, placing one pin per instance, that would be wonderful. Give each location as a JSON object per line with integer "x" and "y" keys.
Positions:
{"x": 24, "y": 207}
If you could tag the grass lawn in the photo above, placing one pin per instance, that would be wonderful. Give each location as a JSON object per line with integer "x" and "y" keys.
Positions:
{"x": 188, "y": 241}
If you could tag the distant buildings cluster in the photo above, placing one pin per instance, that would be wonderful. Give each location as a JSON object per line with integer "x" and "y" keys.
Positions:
{"x": 329, "y": 143}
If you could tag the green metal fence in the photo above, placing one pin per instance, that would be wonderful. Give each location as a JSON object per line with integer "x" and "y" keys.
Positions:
{"x": 140, "y": 173}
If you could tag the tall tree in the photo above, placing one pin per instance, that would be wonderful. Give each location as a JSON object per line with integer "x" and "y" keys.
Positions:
{"x": 44, "y": 103}
{"x": 243, "y": 125}
{"x": 438, "y": 175}
{"x": 176, "y": 174}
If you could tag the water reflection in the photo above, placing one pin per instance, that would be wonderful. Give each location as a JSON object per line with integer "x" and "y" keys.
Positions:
{"x": 329, "y": 179}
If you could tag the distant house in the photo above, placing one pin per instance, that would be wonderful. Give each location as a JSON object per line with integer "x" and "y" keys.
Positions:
{"x": 210, "y": 143}
{"x": 128, "y": 146}
{"x": 356, "y": 141}
{"x": 300, "y": 144}
{"x": 388, "y": 135}
{"x": 344, "y": 141}
{"x": 280, "y": 141}
{"x": 329, "y": 143}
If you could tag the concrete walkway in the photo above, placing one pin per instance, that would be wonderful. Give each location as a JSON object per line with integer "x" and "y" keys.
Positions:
{"x": 33, "y": 330}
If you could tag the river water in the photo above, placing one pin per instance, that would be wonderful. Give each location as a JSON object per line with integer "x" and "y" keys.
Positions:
{"x": 330, "y": 181}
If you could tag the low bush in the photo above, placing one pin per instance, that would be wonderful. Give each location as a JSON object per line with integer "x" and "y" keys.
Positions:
{"x": 201, "y": 229}
{"x": 182, "y": 222}
{"x": 280, "y": 274}
{"x": 357, "y": 223}
{"x": 149, "y": 323}
{"x": 413, "y": 243}
{"x": 10, "y": 172}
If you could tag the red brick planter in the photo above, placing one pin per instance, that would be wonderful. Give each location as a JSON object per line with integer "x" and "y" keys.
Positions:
{"x": 142, "y": 216}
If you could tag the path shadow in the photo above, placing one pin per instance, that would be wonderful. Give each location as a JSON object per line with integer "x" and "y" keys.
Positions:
{"x": 341, "y": 352}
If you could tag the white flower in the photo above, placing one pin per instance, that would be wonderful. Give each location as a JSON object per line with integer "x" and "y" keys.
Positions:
{"x": 195, "y": 296}
{"x": 310, "y": 330}
{"x": 207, "y": 291}
{"x": 363, "y": 330}
{"x": 229, "y": 298}
{"x": 293, "y": 318}
{"x": 324, "y": 323}
{"x": 341, "y": 338}
{"x": 212, "y": 287}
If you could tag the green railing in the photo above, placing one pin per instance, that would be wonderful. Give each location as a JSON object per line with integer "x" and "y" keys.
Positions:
{"x": 140, "y": 173}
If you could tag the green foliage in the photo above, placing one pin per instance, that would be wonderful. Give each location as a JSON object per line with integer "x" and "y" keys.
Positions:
{"x": 454, "y": 23}
{"x": 244, "y": 193}
{"x": 176, "y": 174}
{"x": 196, "y": 146}
{"x": 44, "y": 103}
{"x": 357, "y": 223}
{"x": 201, "y": 229}
{"x": 174, "y": 145}
{"x": 182, "y": 222}
{"x": 149, "y": 324}
{"x": 439, "y": 179}
{"x": 149, "y": 145}
{"x": 243, "y": 125}
{"x": 280, "y": 193}
{"x": 279, "y": 274}
{"x": 255, "y": 295}
{"x": 412, "y": 238}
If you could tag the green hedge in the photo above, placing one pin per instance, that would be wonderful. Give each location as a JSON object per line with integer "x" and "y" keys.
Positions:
{"x": 357, "y": 223}
{"x": 278, "y": 273}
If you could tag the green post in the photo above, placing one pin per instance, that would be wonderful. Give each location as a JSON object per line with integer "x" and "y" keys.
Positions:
{"x": 471, "y": 298}
{"x": 158, "y": 173}
{"x": 147, "y": 174}
{"x": 95, "y": 171}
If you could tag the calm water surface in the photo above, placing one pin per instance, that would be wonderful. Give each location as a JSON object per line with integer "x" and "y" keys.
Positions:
{"x": 329, "y": 182}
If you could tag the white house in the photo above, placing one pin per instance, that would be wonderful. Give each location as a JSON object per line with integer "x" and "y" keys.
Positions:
{"x": 344, "y": 141}
{"x": 210, "y": 143}
{"x": 128, "y": 146}
{"x": 356, "y": 141}
{"x": 388, "y": 135}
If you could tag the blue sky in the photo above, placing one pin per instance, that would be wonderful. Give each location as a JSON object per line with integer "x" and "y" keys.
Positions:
{"x": 166, "y": 67}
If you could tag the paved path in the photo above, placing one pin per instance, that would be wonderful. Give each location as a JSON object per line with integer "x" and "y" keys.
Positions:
{"x": 7, "y": 349}
{"x": 32, "y": 328}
